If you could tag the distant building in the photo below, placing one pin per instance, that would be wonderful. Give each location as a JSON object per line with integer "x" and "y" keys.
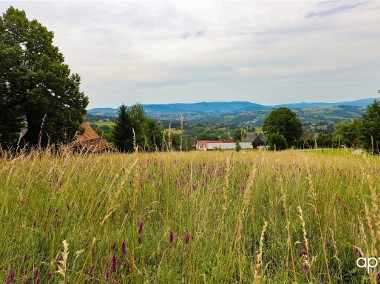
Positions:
{"x": 255, "y": 140}
{"x": 220, "y": 144}
{"x": 90, "y": 141}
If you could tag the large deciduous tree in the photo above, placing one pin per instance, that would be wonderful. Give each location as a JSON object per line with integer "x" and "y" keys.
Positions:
{"x": 283, "y": 121}
{"x": 370, "y": 128}
{"x": 35, "y": 84}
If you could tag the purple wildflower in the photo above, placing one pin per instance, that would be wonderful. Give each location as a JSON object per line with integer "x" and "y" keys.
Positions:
{"x": 303, "y": 252}
{"x": 141, "y": 226}
{"x": 187, "y": 238}
{"x": 10, "y": 276}
{"x": 345, "y": 208}
{"x": 286, "y": 266}
{"x": 91, "y": 270}
{"x": 22, "y": 201}
{"x": 114, "y": 263}
{"x": 327, "y": 244}
{"x": 171, "y": 237}
{"x": 107, "y": 274}
{"x": 35, "y": 273}
{"x": 25, "y": 257}
{"x": 123, "y": 248}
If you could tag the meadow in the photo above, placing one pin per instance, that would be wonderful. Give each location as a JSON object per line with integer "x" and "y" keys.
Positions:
{"x": 188, "y": 217}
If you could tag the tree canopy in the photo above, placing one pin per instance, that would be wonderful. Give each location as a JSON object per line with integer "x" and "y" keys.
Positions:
{"x": 36, "y": 87}
{"x": 122, "y": 131}
{"x": 148, "y": 134}
{"x": 283, "y": 121}
{"x": 370, "y": 128}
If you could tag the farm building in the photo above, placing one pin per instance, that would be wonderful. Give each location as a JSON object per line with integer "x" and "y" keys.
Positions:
{"x": 255, "y": 139}
{"x": 221, "y": 144}
{"x": 90, "y": 141}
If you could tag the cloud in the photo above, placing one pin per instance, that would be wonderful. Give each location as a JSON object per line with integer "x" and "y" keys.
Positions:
{"x": 330, "y": 8}
{"x": 266, "y": 52}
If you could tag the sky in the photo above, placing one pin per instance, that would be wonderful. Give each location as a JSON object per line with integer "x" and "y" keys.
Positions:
{"x": 267, "y": 52}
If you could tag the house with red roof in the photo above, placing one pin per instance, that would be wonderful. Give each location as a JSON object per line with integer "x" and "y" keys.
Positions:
{"x": 90, "y": 141}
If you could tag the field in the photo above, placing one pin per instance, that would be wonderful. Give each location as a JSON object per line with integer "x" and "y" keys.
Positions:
{"x": 197, "y": 217}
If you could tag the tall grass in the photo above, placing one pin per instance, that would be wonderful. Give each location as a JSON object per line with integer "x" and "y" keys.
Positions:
{"x": 192, "y": 217}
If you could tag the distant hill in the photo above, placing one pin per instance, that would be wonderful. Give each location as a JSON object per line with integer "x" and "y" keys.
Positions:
{"x": 225, "y": 107}
{"x": 358, "y": 103}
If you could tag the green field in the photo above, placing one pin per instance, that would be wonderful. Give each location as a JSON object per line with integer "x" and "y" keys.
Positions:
{"x": 197, "y": 217}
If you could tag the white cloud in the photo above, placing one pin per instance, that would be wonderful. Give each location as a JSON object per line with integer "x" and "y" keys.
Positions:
{"x": 266, "y": 52}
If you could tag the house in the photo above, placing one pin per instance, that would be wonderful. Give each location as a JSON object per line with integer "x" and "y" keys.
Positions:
{"x": 90, "y": 141}
{"x": 255, "y": 140}
{"x": 220, "y": 144}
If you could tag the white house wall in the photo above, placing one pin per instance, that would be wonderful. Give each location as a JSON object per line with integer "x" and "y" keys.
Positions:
{"x": 228, "y": 146}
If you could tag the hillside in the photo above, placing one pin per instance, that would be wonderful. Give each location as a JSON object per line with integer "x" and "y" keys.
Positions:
{"x": 247, "y": 113}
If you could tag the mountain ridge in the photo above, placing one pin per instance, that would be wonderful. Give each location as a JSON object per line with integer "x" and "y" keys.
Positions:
{"x": 222, "y": 107}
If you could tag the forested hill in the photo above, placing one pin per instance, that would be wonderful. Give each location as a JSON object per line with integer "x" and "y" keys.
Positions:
{"x": 241, "y": 112}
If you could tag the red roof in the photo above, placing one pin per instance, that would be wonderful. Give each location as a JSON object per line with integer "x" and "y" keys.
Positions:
{"x": 90, "y": 140}
{"x": 88, "y": 133}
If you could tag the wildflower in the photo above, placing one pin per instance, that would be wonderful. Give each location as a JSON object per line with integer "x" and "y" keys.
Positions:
{"x": 327, "y": 244}
{"x": 345, "y": 208}
{"x": 91, "y": 270}
{"x": 114, "y": 263}
{"x": 187, "y": 238}
{"x": 171, "y": 237}
{"x": 358, "y": 251}
{"x": 113, "y": 246}
{"x": 303, "y": 252}
{"x": 22, "y": 201}
{"x": 35, "y": 273}
{"x": 25, "y": 257}
{"x": 286, "y": 266}
{"x": 123, "y": 248}
{"x": 107, "y": 274}
{"x": 141, "y": 226}
{"x": 10, "y": 276}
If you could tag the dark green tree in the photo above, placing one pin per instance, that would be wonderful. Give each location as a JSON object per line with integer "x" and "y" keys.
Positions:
{"x": 122, "y": 131}
{"x": 239, "y": 134}
{"x": 285, "y": 122}
{"x": 348, "y": 133}
{"x": 153, "y": 135}
{"x": 138, "y": 118}
{"x": 276, "y": 141}
{"x": 370, "y": 128}
{"x": 35, "y": 84}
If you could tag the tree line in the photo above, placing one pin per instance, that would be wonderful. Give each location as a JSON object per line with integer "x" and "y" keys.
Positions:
{"x": 283, "y": 130}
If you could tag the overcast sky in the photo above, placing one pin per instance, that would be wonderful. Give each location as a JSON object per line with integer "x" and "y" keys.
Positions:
{"x": 191, "y": 51}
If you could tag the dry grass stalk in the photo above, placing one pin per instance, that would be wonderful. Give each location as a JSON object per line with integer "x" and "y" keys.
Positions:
{"x": 257, "y": 276}
{"x": 62, "y": 264}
